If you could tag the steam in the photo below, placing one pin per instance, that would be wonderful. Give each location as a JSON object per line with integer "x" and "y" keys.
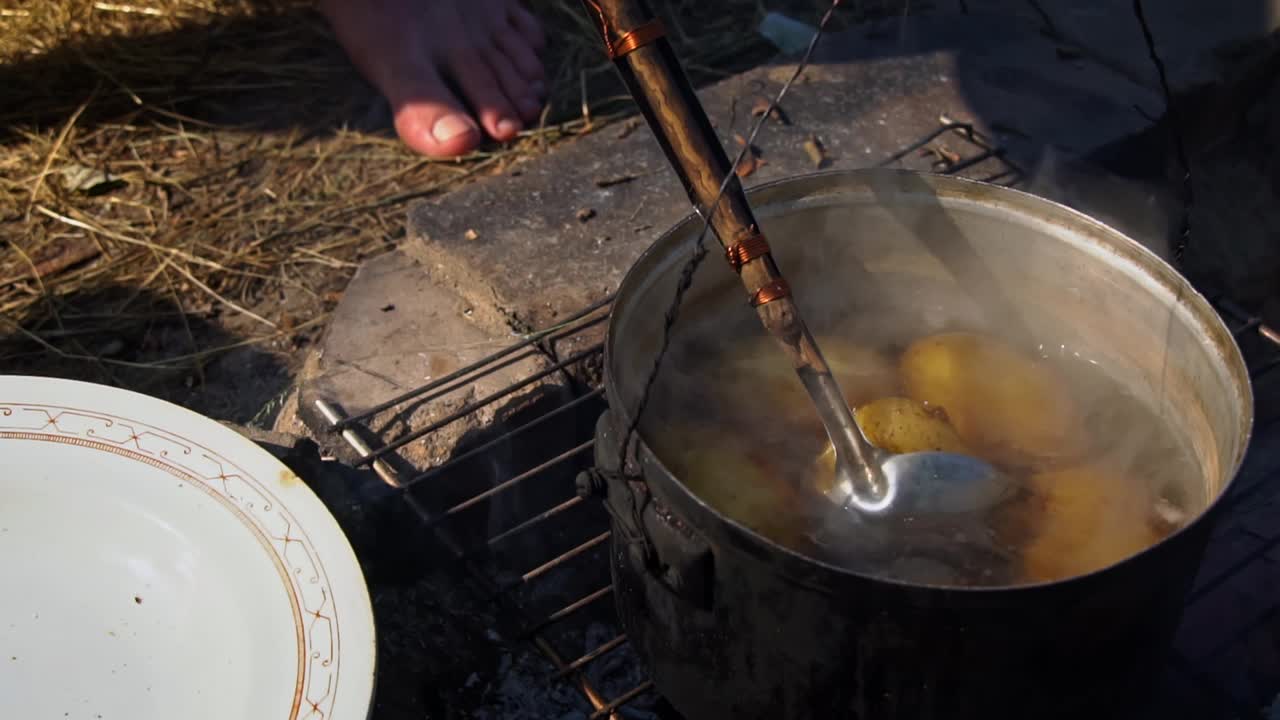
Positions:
{"x": 1140, "y": 209}
{"x": 728, "y": 413}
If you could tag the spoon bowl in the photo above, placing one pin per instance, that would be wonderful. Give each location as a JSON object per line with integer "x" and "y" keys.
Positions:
{"x": 923, "y": 483}
{"x": 871, "y": 481}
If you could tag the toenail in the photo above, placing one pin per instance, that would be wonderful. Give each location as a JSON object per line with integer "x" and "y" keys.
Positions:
{"x": 507, "y": 126}
{"x": 450, "y": 127}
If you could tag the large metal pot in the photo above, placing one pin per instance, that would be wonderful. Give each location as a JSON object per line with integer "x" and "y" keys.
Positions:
{"x": 732, "y": 625}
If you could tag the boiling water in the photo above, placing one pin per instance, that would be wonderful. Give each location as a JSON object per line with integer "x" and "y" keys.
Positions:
{"x": 731, "y": 420}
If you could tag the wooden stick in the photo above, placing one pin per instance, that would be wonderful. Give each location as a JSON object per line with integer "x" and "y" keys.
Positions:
{"x": 675, "y": 116}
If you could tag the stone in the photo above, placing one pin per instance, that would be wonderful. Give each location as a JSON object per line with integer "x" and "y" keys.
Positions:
{"x": 395, "y": 330}
{"x": 871, "y": 92}
{"x": 1266, "y": 395}
{"x": 1194, "y": 39}
{"x": 1025, "y": 9}
{"x": 1228, "y": 122}
{"x": 1235, "y": 180}
{"x": 280, "y": 444}
{"x": 287, "y": 420}
{"x": 1012, "y": 79}
{"x": 1234, "y": 226}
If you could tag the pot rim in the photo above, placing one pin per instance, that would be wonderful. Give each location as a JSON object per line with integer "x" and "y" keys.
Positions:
{"x": 1155, "y": 267}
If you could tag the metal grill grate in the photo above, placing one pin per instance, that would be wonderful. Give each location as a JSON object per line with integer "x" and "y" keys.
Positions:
{"x": 575, "y": 533}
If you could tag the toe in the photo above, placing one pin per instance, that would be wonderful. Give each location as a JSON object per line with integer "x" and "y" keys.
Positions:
{"x": 432, "y": 121}
{"x": 521, "y": 52}
{"x": 527, "y": 26}
{"x": 524, "y": 95}
{"x": 389, "y": 41}
{"x": 483, "y": 90}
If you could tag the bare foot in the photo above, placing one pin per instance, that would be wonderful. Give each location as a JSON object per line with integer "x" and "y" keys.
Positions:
{"x": 417, "y": 51}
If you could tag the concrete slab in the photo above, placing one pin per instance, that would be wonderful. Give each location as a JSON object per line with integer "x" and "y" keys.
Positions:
{"x": 1025, "y": 9}
{"x": 1194, "y": 38}
{"x": 1019, "y": 82}
{"x": 520, "y": 243}
{"x": 1235, "y": 224}
{"x": 396, "y": 330}
{"x": 1230, "y": 116}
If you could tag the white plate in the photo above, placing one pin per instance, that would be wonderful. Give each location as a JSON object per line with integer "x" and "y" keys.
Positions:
{"x": 155, "y": 564}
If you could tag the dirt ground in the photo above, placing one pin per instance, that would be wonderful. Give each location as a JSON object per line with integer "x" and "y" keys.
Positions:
{"x": 186, "y": 186}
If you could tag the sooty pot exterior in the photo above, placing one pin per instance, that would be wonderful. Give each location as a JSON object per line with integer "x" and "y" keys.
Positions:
{"x": 732, "y": 626}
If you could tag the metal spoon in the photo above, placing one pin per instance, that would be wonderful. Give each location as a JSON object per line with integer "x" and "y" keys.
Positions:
{"x": 871, "y": 481}
{"x": 868, "y": 481}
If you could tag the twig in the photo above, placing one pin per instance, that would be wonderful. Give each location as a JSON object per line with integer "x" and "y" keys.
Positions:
{"x": 390, "y": 200}
{"x": 325, "y": 259}
{"x": 53, "y": 152}
{"x": 218, "y": 298}
{"x": 177, "y": 303}
{"x": 172, "y": 363}
{"x": 171, "y": 251}
{"x": 133, "y": 97}
{"x": 44, "y": 293}
{"x": 188, "y": 257}
{"x": 132, "y": 9}
{"x": 54, "y": 265}
{"x": 143, "y": 285}
{"x": 636, "y": 212}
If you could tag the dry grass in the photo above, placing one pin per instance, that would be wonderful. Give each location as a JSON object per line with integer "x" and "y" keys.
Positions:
{"x": 179, "y": 178}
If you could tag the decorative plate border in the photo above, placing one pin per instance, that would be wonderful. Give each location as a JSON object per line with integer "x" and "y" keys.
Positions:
{"x": 295, "y": 557}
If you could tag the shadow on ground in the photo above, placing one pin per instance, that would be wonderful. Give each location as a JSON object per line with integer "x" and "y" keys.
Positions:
{"x": 273, "y": 71}
{"x": 279, "y": 68}
{"x": 136, "y": 339}
{"x": 1051, "y": 91}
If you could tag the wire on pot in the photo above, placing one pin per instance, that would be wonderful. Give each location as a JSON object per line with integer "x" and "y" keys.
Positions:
{"x": 699, "y": 252}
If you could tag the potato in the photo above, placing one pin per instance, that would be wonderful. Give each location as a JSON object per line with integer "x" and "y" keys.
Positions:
{"x": 758, "y": 378}
{"x": 735, "y": 482}
{"x": 759, "y": 362}
{"x": 1009, "y": 408}
{"x": 756, "y": 381}
{"x": 898, "y": 425}
{"x": 902, "y": 425}
{"x": 1092, "y": 516}
{"x": 864, "y": 374}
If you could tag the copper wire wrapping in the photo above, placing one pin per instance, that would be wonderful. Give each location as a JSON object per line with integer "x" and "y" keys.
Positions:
{"x": 605, "y": 32}
{"x": 749, "y": 248}
{"x": 775, "y": 290}
{"x": 638, "y": 38}
{"x": 628, "y": 41}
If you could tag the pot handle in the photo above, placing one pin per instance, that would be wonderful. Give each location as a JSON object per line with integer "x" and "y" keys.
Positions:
{"x": 656, "y": 539}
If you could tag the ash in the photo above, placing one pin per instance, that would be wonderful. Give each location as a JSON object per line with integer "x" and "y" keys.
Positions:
{"x": 430, "y": 644}
{"x": 440, "y": 657}
{"x": 523, "y": 686}
{"x": 523, "y": 689}
{"x": 617, "y": 672}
